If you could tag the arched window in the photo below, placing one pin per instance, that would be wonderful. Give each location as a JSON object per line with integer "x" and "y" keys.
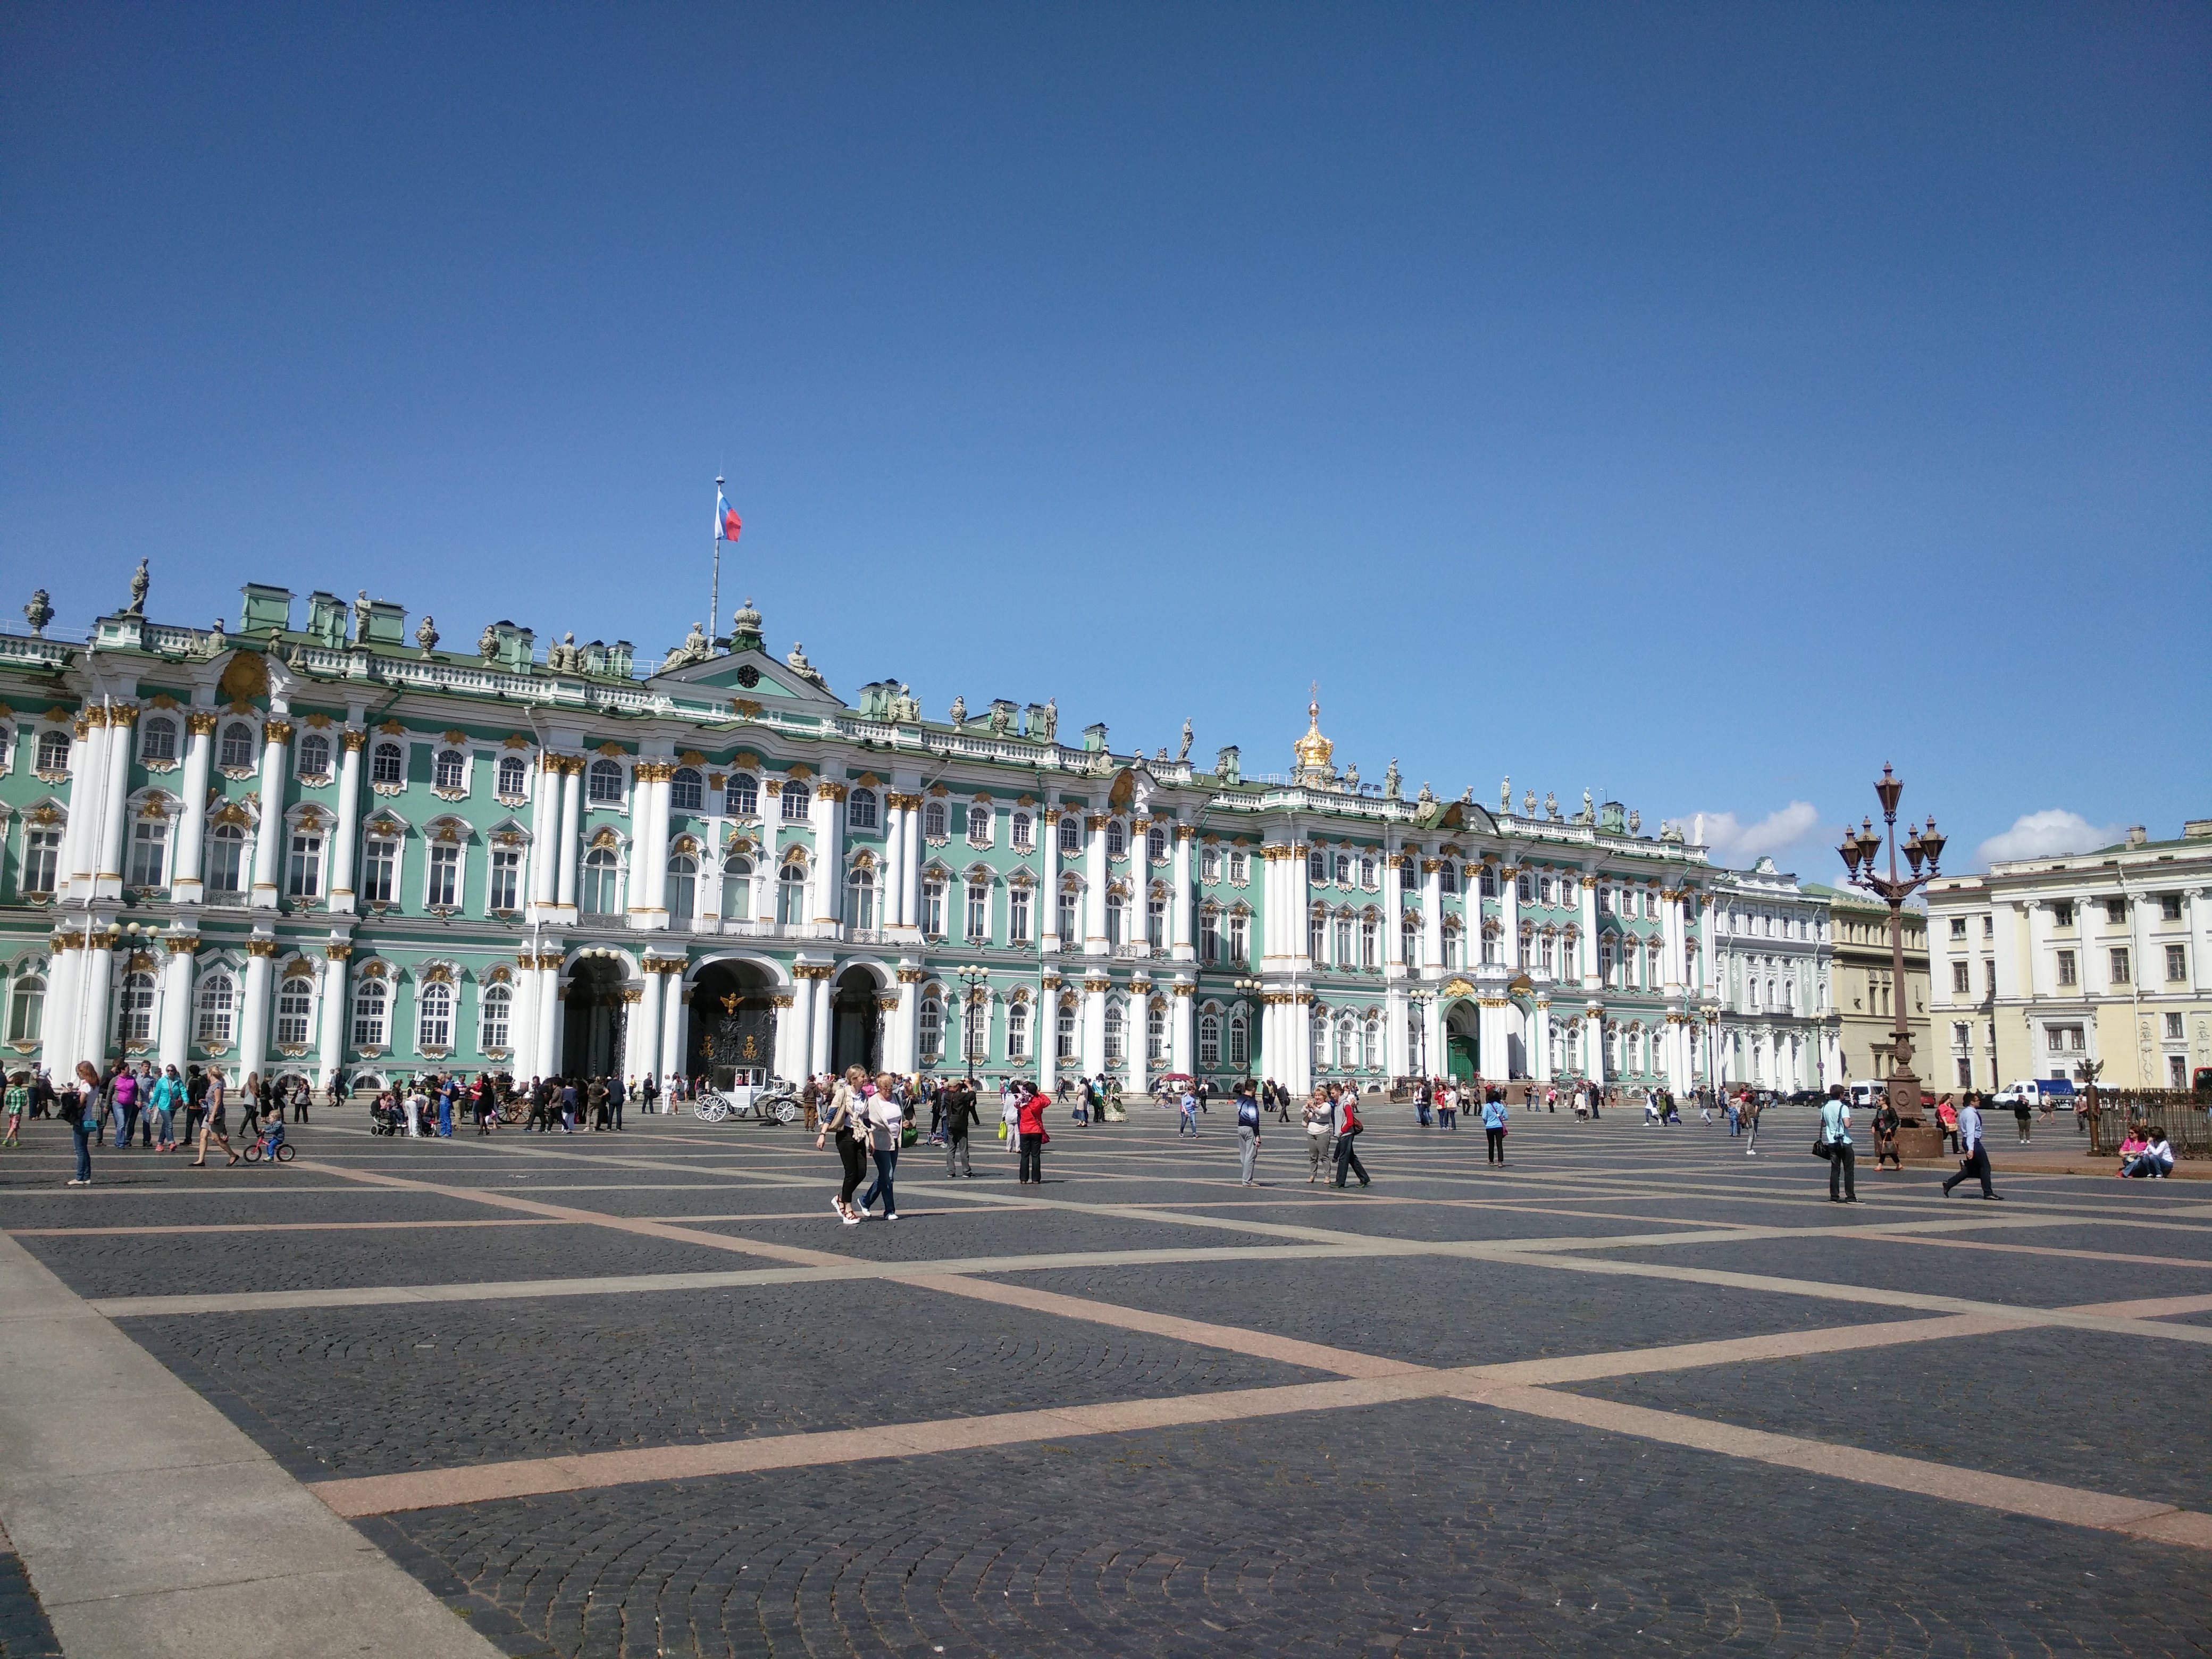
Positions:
{"x": 513, "y": 776}
{"x": 1488, "y": 885}
{"x": 134, "y": 1009}
{"x": 1455, "y": 945}
{"x": 1209, "y": 864}
{"x": 386, "y": 764}
{"x": 1156, "y": 1034}
{"x": 736, "y": 888}
{"x": 932, "y": 907}
{"x": 434, "y": 1021}
{"x": 979, "y": 906}
{"x": 791, "y": 892}
{"x": 150, "y": 847}
{"x": 1370, "y": 1042}
{"x": 1117, "y": 929}
{"x": 1240, "y": 867}
{"x": 682, "y": 889}
{"x": 687, "y": 790}
{"x": 975, "y": 1026}
{"x": 237, "y": 751}
{"x": 979, "y": 824}
{"x": 1116, "y": 1032}
{"x": 296, "y": 1003}
{"x": 1317, "y": 867}
{"x": 225, "y": 862}
{"x": 1239, "y": 1053}
{"x": 1367, "y": 876}
{"x": 53, "y": 754}
{"x": 600, "y": 893}
{"x": 860, "y": 810}
{"x": 218, "y": 1002}
{"x": 494, "y": 1018}
{"x": 1064, "y": 1029}
{"x": 932, "y": 821}
{"x": 371, "y": 1001}
{"x": 1209, "y": 1041}
{"x": 1018, "y": 830}
{"x": 798, "y": 802}
{"x": 1409, "y": 943}
{"x": 741, "y": 796}
{"x": 1447, "y": 877}
{"x": 1344, "y": 869}
{"x": 157, "y": 738}
{"x": 860, "y": 899}
{"x": 1017, "y": 1030}
{"x": 314, "y": 756}
{"x": 929, "y": 1028}
{"x": 1155, "y": 845}
{"x": 27, "y": 1009}
{"x": 1070, "y": 828}
{"x": 603, "y": 783}
{"x": 1117, "y": 838}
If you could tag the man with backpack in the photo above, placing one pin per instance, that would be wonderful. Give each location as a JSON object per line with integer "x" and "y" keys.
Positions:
{"x": 1248, "y": 1135}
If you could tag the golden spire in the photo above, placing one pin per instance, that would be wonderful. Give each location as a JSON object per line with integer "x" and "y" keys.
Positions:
{"x": 1314, "y": 750}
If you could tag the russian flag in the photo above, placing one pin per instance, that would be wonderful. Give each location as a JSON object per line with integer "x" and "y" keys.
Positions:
{"x": 727, "y": 522}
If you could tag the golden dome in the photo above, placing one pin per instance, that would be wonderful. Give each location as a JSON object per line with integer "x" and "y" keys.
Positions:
{"x": 1313, "y": 750}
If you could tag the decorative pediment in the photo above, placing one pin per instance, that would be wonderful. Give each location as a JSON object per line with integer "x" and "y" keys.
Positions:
{"x": 754, "y": 676}
{"x": 1456, "y": 987}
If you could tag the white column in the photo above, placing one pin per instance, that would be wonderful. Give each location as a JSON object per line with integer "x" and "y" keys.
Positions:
{"x": 820, "y": 1019}
{"x": 644, "y": 1039}
{"x": 1393, "y": 916}
{"x": 1137, "y": 1035}
{"x": 269, "y": 838}
{"x": 1301, "y": 902}
{"x": 1094, "y": 1027}
{"x": 910, "y": 880}
{"x": 799, "y": 1044}
{"x": 1594, "y": 1043}
{"x": 1540, "y": 1039}
{"x": 894, "y": 894}
{"x": 58, "y": 1053}
{"x": 93, "y": 990}
{"x": 525, "y": 1034}
{"x": 1397, "y": 1037}
{"x": 550, "y": 1016}
{"x": 1588, "y": 939}
{"x": 1433, "y": 1037}
{"x": 648, "y": 812}
{"x": 1179, "y": 933}
{"x": 546, "y": 834}
{"x": 190, "y": 850}
{"x": 1047, "y": 1032}
{"x": 81, "y": 834}
{"x": 1509, "y": 927}
{"x": 1433, "y": 918}
{"x": 1704, "y": 975}
{"x": 1049, "y": 938}
{"x": 253, "y": 1009}
{"x": 1299, "y": 1015}
{"x": 109, "y": 884}
{"x": 330, "y": 1033}
{"x": 1094, "y": 898}
{"x": 1496, "y": 1060}
{"x": 1677, "y": 935}
{"x": 829, "y": 872}
{"x": 177, "y": 1003}
{"x": 339, "y": 881}
{"x": 673, "y": 995}
{"x": 905, "y": 1023}
{"x": 1184, "y": 1032}
{"x": 570, "y": 844}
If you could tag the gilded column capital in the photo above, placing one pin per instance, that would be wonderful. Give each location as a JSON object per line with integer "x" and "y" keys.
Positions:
{"x": 352, "y": 740}
{"x": 911, "y": 975}
{"x": 182, "y": 945}
{"x": 276, "y": 731}
{"x": 784, "y": 1000}
{"x": 1051, "y": 981}
{"x": 633, "y": 993}
{"x": 202, "y": 722}
{"x": 261, "y": 947}
{"x": 122, "y": 714}
{"x": 1094, "y": 822}
{"x": 1183, "y": 990}
{"x": 1186, "y": 832}
{"x": 1099, "y": 985}
{"x": 1430, "y": 866}
{"x": 1051, "y": 815}
{"x": 337, "y": 953}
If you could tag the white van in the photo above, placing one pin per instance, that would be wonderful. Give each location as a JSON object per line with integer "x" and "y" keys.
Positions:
{"x": 2055, "y": 1092}
{"x": 1865, "y": 1096}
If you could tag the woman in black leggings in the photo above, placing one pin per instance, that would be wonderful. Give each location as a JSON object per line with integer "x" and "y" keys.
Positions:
{"x": 843, "y": 1122}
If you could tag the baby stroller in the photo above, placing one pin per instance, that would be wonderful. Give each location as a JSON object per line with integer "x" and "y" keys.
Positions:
{"x": 386, "y": 1120}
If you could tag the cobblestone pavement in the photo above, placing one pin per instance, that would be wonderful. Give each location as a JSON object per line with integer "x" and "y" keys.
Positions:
{"x": 1141, "y": 1410}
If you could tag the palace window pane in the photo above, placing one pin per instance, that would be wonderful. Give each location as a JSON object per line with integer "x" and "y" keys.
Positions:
{"x": 1343, "y": 863}
{"x": 2169, "y": 907}
{"x": 791, "y": 895}
{"x": 1156, "y": 1035}
{"x": 979, "y": 825}
{"x": 1017, "y": 1031}
{"x": 933, "y": 821}
{"x": 1020, "y": 830}
{"x": 149, "y": 846}
{"x": 2173, "y": 1032}
{"x": 931, "y": 1029}
{"x": 1240, "y": 936}
{"x": 217, "y": 1000}
{"x": 683, "y": 888}
{"x": 380, "y": 870}
{"x": 1116, "y": 921}
{"x": 736, "y": 888}
{"x": 1367, "y": 935}
{"x": 1209, "y": 938}
{"x": 1018, "y": 915}
{"x": 798, "y": 802}
{"x": 53, "y": 751}
{"x": 506, "y": 878}
{"x": 368, "y": 1011}
{"x": 1240, "y": 868}
{"x": 603, "y": 783}
{"x": 860, "y": 810}
{"x": 687, "y": 791}
{"x": 1209, "y": 1041}
{"x": 314, "y": 756}
{"x": 434, "y": 1029}
{"x": 1209, "y": 865}
{"x": 492, "y": 1022}
{"x": 2176, "y": 962}
{"x": 1115, "y": 1018}
{"x": 157, "y": 738}
{"x": 2066, "y": 968}
{"x": 513, "y": 776}
{"x": 27, "y": 1010}
{"x": 979, "y": 910}
{"x": 305, "y": 876}
{"x": 1064, "y": 1032}
{"x": 1237, "y": 1051}
{"x": 1156, "y": 921}
{"x": 860, "y": 901}
{"x": 1117, "y": 839}
{"x": 933, "y": 910}
{"x": 1317, "y": 940}
{"x": 295, "y": 1000}
{"x": 1316, "y": 866}
{"x": 1064, "y": 921}
{"x": 444, "y": 886}
{"x": 134, "y": 1009}
{"x": 386, "y": 764}
{"x": 42, "y": 852}
{"x": 741, "y": 799}
{"x": 2120, "y": 967}
{"x": 1961, "y": 978}
{"x": 225, "y": 862}
{"x": 599, "y": 894}
{"x": 237, "y": 751}
{"x": 1156, "y": 846}
{"x": 1071, "y": 834}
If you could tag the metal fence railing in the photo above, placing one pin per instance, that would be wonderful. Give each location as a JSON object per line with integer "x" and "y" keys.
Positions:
{"x": 2180, "y": 1113}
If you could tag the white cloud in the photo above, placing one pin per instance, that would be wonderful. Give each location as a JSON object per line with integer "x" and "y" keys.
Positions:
{"x": 1734, "y": 842}
{"x": 2049, "y": 834}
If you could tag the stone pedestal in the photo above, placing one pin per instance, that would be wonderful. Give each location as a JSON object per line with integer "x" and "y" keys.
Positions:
{"x": 1920, "y": 1142}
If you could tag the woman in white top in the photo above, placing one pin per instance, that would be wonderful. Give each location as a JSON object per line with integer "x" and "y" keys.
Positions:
{"x": 886, "y": 1118}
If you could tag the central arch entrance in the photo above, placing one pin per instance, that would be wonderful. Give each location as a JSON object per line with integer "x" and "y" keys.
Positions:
{"x": 733, "y": 1024}
{"x": 856, "y": 1030}
{"x": 1462, "y": 1040}
{"x": 595, "y": 1013}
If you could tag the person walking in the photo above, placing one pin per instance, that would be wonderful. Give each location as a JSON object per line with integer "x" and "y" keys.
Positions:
{"x": 617, "y": 1098}
{"x": 1748, "y": 1108}
{"x": 196, "y": 1089}
{"x": 570, "y": 1099}
{"x": 122, "y": 1098}
{"x": 88, "y": 1114}
{"x": 1187, "y": 1114}
{"x": 215, "y": 1127}
{"x": 1318, "y": 1119}
{"x": 1493, "y": 1130}
{"x": 2019, "y": 1112}
{"x": 845, "y": 1123}
{"x": 1029, "y": 1121}
{"x": 960, "y": 1117}
{"x": 1448, "y": 1106}
{"x": 1884, "y": 1137}
{"x": 169, "y": 1095}
{"x": 1977, "y": 1161}
{"x": 886, "y": 1120}
{"x": 18, "y": 1103}
{"x": 1248, "y": 1136}
{"x": 414, "y": 1101}
{"x": 1345, "y": 1121}
{"x": 1835, "y": 1138}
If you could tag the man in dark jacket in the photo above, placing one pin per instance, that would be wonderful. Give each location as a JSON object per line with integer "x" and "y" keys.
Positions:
{"x": 959, "y": 1102}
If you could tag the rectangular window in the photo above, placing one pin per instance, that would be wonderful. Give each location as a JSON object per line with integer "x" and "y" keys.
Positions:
{"x": 2169, "y": 907}
{"x": 1962, "y": 978}
{"x": 42, "y": 850}
{"x": 1238, "y": 1050}
{"x": 1524, "y": 889}
{"x": 1209, "y": 938}
{"x": 2120, "y": 965}
{"x": 933, "y": 910}
{"x": 1155, "y": 922}
{"x": 295, "y": 1001}
{"x": 2176, "y": 963}
{"x": 2062, "y": 913}
{"x": 2173, "y": 1028}
{"x": 1018, "y": 916}
{"x": 506, "y": 880}
{"x": 225, "y": 862}
{"x": 1966, "y": 1072}
{"x": 1317, "y": 940}
{"x": 1240, "y": 936}
{"x": 2066, "y": 968}
{"x": 305, "y": 880}
{"x": 979, "y": 910}
{"x": 2116, "y": 909}
{"x": 149, "y": 844}
{"x": 1064, "y": 917}
{"x": 445, "y": 884}
{"x": 379, "y": 866}
{"x": 1958, "y": 928}
{"x": 1240, "y": 868}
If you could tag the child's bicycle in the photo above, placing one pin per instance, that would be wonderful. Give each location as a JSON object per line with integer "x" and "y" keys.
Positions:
{"x": 268, "y": 1145}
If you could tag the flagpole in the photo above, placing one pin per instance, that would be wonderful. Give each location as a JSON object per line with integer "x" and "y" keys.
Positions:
{"x": 714, "y": 592}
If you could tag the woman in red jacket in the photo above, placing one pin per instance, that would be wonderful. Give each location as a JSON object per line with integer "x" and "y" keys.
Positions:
{"x": 1030, "y": 1123}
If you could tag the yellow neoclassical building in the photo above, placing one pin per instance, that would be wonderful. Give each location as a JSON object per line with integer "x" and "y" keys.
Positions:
{"x": 2045, "y": 963}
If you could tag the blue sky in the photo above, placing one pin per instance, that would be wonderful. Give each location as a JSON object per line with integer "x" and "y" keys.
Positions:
{"x": 1701, "y": 405}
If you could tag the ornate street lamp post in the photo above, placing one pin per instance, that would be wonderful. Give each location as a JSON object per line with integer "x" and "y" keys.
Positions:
{"x": 1858, "y": 850}
{"x": 976, "y": 980}
{"x": 1256, "y": 1057}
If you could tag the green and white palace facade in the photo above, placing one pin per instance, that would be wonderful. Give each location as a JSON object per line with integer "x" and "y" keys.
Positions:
{"x": 320, "y": 844}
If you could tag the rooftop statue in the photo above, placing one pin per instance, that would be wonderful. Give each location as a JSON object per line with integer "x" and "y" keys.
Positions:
{"x": 488, "y": 642}
{"x": 906, "y": 707}
{"x": 1528, "y": 803}
{"x": 696, "y": 647}
{"x": 1183, "y": 754}
{"x": 427, "y": 634}
{"x": 1047, "y": 721}
{"x": 1551, "y": 804}
{"x": 1392, "y": 783}
{"x": 140, "y": 581}
{"x": 39, "y": 613}
{"x": 1428, "y": 796}
{"x": 797, "y": 664}
{"x": 1505, "y": 795}
{"x": 959, "y": 715}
